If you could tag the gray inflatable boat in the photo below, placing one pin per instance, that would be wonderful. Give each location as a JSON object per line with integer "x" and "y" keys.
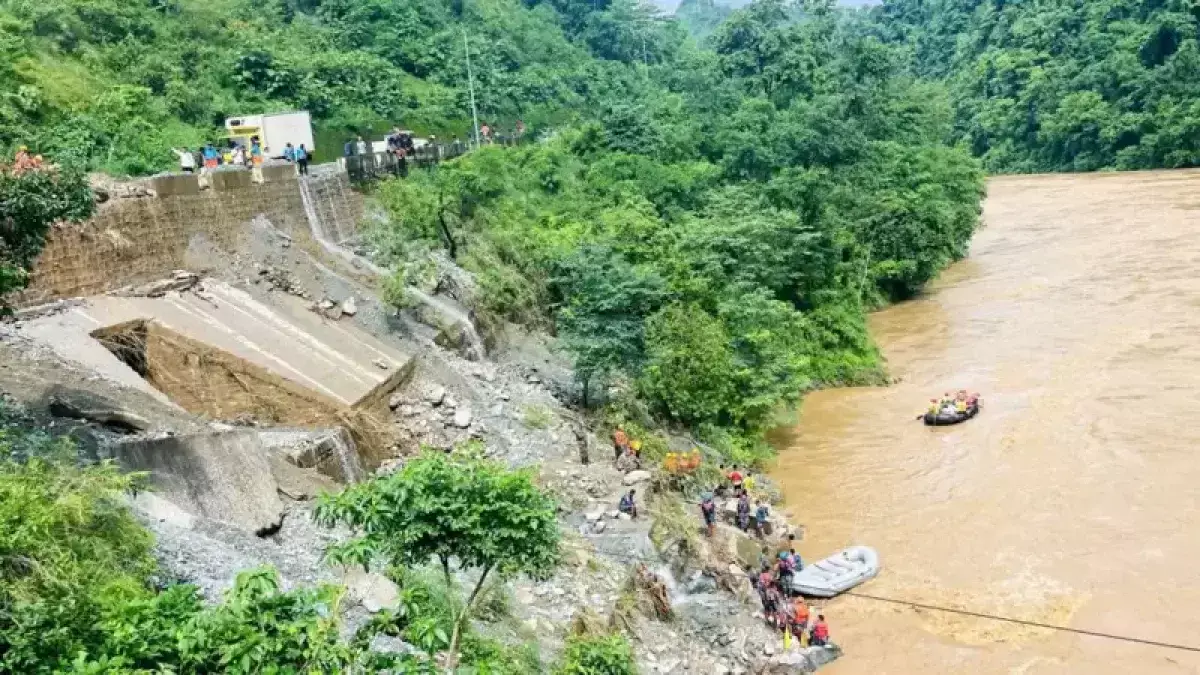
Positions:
{"x": 838, "y": 573}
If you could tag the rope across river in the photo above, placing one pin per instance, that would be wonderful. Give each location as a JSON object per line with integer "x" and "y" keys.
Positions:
{"x": 982, "y": 615}
{"x": 1023, "y": 622}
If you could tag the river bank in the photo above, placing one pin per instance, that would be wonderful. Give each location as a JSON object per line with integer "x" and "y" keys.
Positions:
{"x": 1056, "y": 504}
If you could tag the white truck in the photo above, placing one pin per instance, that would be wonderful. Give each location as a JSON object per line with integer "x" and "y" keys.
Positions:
{"x": 274, "y": 131}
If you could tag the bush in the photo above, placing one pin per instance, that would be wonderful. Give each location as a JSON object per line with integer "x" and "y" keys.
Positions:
{"x": 603, "y": 655}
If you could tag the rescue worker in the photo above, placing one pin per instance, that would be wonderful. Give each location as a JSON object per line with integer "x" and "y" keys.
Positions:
{"x": 743, "y": 512}
{"x": 799, "y": 616}
{"x": 820, "y": 632}
{"x": 761, "y": 513}
{"x": 708, "y": 509}
{"x": 620, "y": 442}
{"x": 628, "y": 505}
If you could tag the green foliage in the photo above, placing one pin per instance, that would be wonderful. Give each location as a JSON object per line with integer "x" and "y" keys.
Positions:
{"x": 689, "y": 360}
{"x": 453, "y": 508}
{"x": 536, "y": 416}
{"x": 30, "y": 201}
{"x": 715, "y": 229}
{"x": 597, "y": 655}
{"x": 76, "y": 593}
{"x": 1060, "y": 85}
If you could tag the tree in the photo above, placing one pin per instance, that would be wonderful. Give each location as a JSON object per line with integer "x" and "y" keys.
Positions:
{"x": 30, "y": 201}
{"x": 688, "y": 364}
{"x": 602, "y": 318}
{"x": 455, "y": 508}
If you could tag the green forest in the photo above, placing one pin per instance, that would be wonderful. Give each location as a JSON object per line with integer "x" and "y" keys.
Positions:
{"x": 713, "y": 203}
{"x": 1060, "y": 85}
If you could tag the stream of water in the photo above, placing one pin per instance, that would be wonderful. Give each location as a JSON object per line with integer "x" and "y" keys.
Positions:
{"x": 1072, "y": 498}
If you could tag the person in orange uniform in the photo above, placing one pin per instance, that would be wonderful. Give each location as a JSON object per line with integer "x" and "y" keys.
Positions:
{"x": 620, "y": 442}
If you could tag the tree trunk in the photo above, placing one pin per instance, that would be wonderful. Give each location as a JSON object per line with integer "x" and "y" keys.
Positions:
{"x": 452, "y": 658}
{"x": 451, "y": 245}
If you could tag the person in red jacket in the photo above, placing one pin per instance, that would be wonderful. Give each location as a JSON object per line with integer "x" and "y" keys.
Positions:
{"x": 820, "y": 632}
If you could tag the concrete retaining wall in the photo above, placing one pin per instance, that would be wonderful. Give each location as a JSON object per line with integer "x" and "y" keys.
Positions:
{"x": 137, "y": 240}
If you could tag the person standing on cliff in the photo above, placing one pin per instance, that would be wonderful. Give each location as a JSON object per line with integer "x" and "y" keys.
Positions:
{"x": 211, "y": 158}
{"x": 708, "y": 509}
{"x": 302, "y": 159}
{"x": 187, "y": 161}
{"x": 620, "y": 442}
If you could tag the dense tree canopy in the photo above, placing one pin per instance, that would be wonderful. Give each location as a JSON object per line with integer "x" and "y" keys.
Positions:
{"x": 1061, "y": 85}
{"x": 715, "y": 231}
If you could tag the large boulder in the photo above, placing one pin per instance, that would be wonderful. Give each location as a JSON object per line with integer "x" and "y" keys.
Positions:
{"x": 222, "y": 476}
{"x": 83, "y": 405}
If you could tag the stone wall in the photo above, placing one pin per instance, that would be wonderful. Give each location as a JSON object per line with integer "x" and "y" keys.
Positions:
{"x": 139, "y": 239}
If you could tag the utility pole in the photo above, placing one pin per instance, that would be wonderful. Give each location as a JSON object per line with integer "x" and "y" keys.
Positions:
{"x": 471, "y": 88}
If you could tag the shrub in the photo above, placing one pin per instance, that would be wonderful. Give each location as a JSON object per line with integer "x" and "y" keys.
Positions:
{"x": 602, "y": 655}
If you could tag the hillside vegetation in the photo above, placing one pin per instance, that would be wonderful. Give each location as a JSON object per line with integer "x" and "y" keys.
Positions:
{"x": 715, "y": 237}
{"x": 1061, "y": 85}
{"x": 120, "y": 83}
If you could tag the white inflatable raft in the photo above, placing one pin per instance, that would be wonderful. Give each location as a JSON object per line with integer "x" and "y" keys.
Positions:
{"x": 837, "y": 573}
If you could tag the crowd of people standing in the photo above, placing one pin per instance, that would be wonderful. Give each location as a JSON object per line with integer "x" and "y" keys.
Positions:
{"x": 250, "y": 155}
{"x": 772, "y": 577}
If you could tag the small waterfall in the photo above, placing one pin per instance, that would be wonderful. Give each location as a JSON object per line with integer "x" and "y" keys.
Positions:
{"x": 317, "y": 228}
{"x": 346, "y": 451}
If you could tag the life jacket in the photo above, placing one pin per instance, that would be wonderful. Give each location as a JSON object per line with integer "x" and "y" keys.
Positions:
{"x": 801, "y": 611}
{"x": 786, "y": 564}
{"x": 821, "y": 631}
{"x": 708, "y": 506}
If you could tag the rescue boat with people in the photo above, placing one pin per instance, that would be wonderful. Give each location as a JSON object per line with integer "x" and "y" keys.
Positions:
{"x": 836, "y": 574}
{"x": 943, "y": 419}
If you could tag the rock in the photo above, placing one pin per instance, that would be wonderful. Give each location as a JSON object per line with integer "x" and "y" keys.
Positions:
{"x": 299, "y": 484}
{"x": 331, "y": 452}
{"x": 223, "y": 476}
{"x": 82, "y": 405}
{"x": 349, "y": 307}
{"x": 450, "y": 402}
{"x": 462, "y": 418}
{"x": 701, "y": 583}
{"x": 435, "y": 396}
{"x": 325, "y": 304}
{"x": 373, "y": 591}
{"x": 594, "y": 516}
{"x": 614, "y": 514}
{"x": 334, "y": 313}
{"x": 396, "y": 401}
{"x": 624, "y": 516}
{"x": 151, "y": 506}
{"x": 180, "y": 281}
{"x": 599, "y": 526}
{"x": 380, "y": 364}
{"x": 635, "y": 477}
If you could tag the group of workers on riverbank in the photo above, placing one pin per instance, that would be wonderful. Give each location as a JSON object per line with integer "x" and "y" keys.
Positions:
{"x": 772, "y": 578}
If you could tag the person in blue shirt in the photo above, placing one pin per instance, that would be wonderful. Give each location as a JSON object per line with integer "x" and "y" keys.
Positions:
{"x": 211, "y": 157}
{"x": 289, "y": 153}
{"x": 627, "y": 505}
{"x": 302, "y": 159}
{"x": 761, "y": 514}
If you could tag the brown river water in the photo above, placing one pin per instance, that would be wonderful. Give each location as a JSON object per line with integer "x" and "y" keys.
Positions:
{"x": 1072, "y": 498}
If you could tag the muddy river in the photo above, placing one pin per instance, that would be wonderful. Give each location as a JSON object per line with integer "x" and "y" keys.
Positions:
{"x": 1072, "y": 499}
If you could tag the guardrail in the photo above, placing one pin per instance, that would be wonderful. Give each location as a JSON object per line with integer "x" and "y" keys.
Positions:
{"x": 377, "y": 165}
